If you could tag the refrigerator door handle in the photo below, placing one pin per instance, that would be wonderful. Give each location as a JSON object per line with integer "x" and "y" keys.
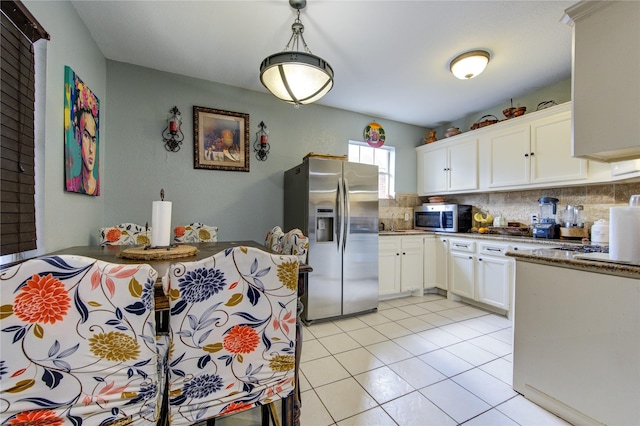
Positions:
{"x": 347, "y": 214}
{"x": 338, "y": 208}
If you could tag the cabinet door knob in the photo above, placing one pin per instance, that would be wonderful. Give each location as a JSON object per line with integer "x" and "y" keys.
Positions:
{"x": 480, "y": 259}
{"x": 526, "y": 155}
{"x": 532, "y": 154}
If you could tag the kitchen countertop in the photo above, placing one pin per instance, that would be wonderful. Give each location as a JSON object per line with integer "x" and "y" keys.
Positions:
{"x": 491, "y": 237}
{"x": 567, "y": 259}
{"x": 405, "y": 232}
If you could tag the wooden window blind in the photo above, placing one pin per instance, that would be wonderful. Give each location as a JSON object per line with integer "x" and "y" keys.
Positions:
{"x": 17, "y": 175}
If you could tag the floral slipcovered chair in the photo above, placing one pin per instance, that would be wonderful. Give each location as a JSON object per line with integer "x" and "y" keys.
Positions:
{"x": 273, "y": 239}
{"x": 124, "y": 234}
{"x": 78, "y": 343}
{"x": 233, "y": 328}
{"x": 294, "y": 242}
{"x": 195, "y": 233}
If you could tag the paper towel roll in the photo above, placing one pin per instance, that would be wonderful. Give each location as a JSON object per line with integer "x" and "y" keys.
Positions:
{"x": 161, "y": 223}
{"x": 624, "y": 233}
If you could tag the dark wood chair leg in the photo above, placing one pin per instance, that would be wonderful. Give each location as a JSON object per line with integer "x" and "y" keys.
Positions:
{"x": 163, "y": 419}
{"x": 294, "y": 401}
{"x": 288, "y": 411}
{"x": 266, "y": 414}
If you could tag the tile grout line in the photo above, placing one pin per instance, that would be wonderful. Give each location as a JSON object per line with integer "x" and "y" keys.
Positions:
{"x": 413, "y": 333}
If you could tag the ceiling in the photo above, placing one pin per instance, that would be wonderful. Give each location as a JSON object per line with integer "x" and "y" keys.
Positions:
{"x": 390, "y": 57}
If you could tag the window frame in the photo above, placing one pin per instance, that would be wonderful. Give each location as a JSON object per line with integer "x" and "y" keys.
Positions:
{"x": 389, "y": 175}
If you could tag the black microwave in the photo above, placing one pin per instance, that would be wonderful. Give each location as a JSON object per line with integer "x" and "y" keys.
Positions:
{"x": 443, "y": 217}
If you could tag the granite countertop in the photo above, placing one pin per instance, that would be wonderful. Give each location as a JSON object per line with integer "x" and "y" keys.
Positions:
{"x": 567, "y": 259}
{"x": 405, "y": 232}
{"x": 490, "y": 237}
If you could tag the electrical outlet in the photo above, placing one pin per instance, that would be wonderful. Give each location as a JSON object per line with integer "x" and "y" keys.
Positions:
{"x": 406, "y": 217}
{"x": 534, "y": 218}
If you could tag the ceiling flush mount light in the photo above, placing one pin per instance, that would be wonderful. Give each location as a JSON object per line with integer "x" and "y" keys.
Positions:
{"x": 469, "y": 64}
{"x": 295, "y": 76}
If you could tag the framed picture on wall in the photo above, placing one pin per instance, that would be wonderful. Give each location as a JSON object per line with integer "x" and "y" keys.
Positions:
{"x": 81, "y": 136}
{"x": 221, "y": 139}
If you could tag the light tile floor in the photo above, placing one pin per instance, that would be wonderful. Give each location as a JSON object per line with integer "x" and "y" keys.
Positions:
{"x": 419, "y": 360}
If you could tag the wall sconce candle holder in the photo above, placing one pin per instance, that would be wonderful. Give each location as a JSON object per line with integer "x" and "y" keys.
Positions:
{"x": 172, "y": 135}
{"x": 261, "y": 145}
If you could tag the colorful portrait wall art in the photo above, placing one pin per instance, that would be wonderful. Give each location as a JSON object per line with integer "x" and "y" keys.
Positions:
{"x": 81, "y": 136}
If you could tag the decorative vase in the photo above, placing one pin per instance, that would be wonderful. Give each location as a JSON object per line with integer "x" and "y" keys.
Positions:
{"x": 432, "y": 137}
{"x": 452, "y": 131}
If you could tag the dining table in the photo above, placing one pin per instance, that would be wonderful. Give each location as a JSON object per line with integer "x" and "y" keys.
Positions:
{"x": 113, "y": 254}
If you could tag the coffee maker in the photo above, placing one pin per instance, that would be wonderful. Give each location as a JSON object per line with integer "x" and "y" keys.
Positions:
{"x": 547, "y": 226}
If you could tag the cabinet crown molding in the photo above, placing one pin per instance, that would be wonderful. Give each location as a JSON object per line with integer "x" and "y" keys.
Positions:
{"x": 579, "y": 10}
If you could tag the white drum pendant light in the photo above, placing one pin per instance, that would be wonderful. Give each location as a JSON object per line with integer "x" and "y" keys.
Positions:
{"x": 469, "y": 64}
{"x": 295, "y": 76}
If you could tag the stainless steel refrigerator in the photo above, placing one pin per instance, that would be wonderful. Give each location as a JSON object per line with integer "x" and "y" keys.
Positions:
{"x": 335, "y": 203}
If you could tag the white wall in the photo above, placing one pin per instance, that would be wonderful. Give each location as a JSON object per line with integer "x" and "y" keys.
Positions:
{"x": 69, "y": 219}
{"x": 242, "y": 205}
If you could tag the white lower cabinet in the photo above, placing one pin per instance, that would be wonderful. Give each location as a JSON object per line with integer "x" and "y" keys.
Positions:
{"x": 442, "y": 262}
{"x": 494, "y": 281}
{"x": 388, "y": 265}
{"x": 429, "y": 274}
{"x": 401, "y": 264}
{"x": 412, "y": 261}
{"x": 480, "y": 271}
{"x": 462, "y": 267}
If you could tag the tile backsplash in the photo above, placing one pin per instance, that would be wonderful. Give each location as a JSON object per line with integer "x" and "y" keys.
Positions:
{"x": 393, "y": 211}
{"x": 517, "y": 206}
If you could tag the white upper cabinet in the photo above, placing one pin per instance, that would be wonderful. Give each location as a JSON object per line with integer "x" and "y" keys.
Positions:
{"x": 606, "y": 82}
{"x": 538, "y": 152}
{"x": 432, "y": 170}
{"x": 509, "y": 157}
{"x": 448, "y": 167}
{"x": 532, "y": 151}
{"x": 550, "y": 154}
{"x": 463, "y": 165}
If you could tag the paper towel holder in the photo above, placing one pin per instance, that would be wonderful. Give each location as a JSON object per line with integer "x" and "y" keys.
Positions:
{"x": 151, "y": 246}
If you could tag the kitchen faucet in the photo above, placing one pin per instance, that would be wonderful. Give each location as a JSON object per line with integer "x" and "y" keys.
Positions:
{"x": 393, "y": 223}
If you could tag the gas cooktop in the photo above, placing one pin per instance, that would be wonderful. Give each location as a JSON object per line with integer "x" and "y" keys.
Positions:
{"x": 585, "y": 248}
